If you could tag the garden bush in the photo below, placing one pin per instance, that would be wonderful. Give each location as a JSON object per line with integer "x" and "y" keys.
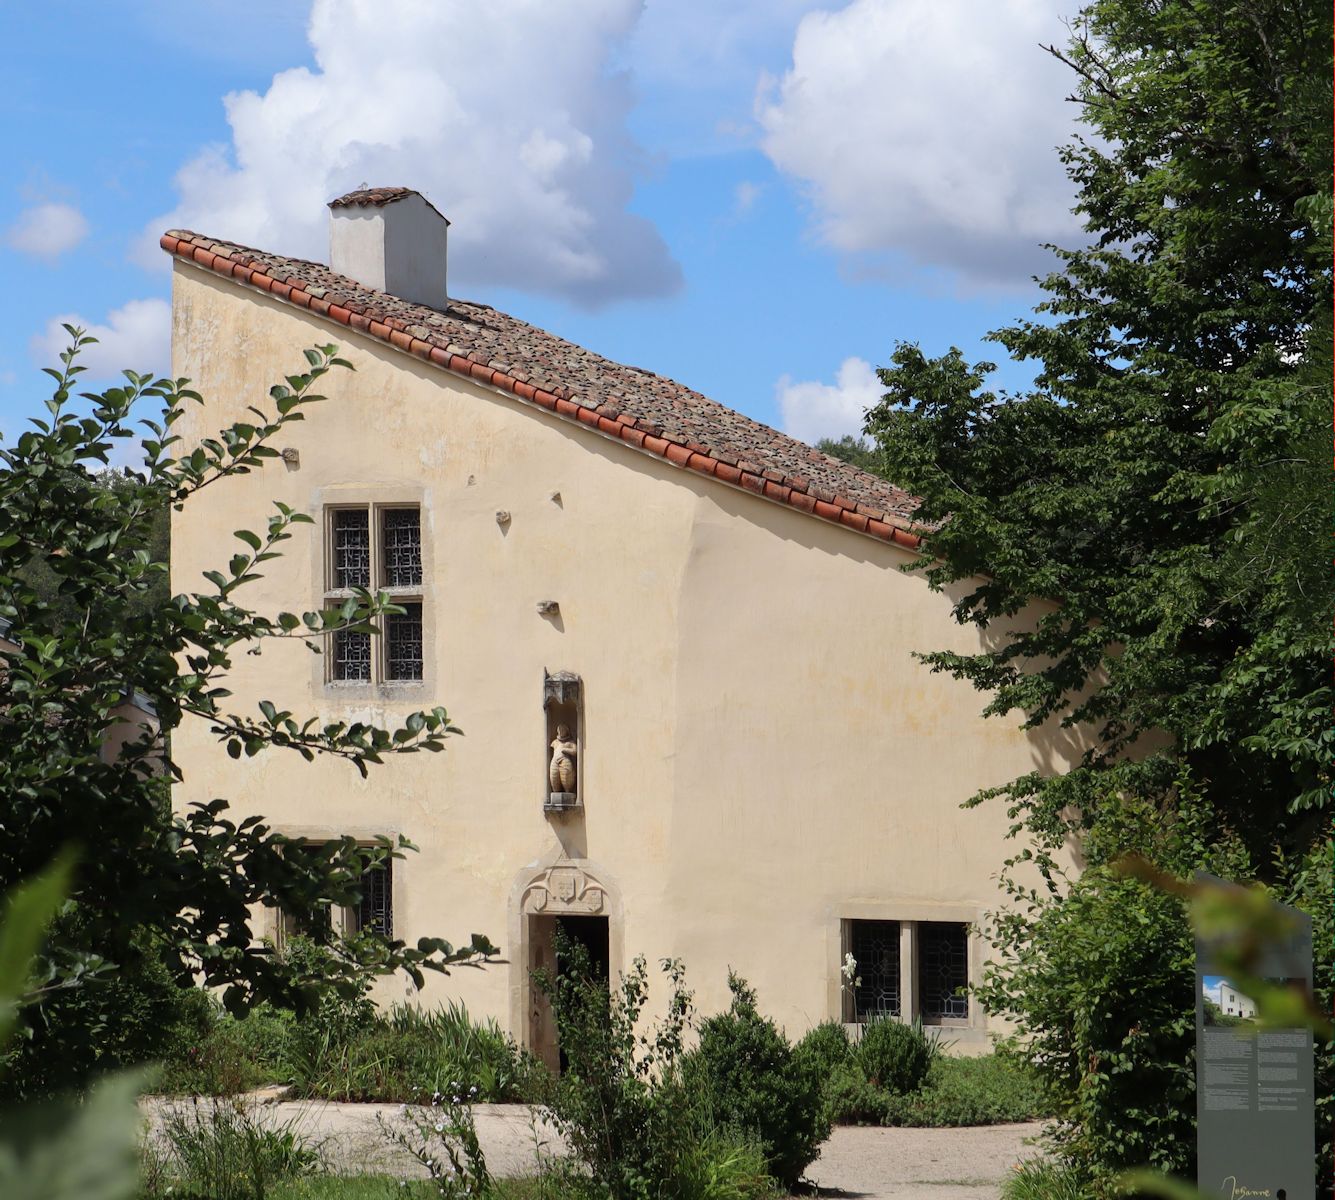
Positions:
{"x": 134, "y": 1015}
{"x": 988, "y": 1090}
{"x": 827, "y": 1046}
{"x": 619, "y": 1103}
{"x": 852, "y": 1100}
{"x": 745, "y": 1076}
{"x": 895, "y": 1056}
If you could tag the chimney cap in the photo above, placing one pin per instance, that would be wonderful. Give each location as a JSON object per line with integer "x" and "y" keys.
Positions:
{"x": 379, "y": 197}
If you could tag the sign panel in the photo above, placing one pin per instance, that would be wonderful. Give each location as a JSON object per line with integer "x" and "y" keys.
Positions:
{"x": 1255, "y": 1111}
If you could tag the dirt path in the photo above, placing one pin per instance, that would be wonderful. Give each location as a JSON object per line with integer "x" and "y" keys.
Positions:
{"x": 856, "y": 1163}
{"x": 927, "y": 1164}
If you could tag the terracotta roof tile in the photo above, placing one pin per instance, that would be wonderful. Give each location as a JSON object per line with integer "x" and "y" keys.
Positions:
{"x": 651, "y": 412}
{"x": 375, "y": 197}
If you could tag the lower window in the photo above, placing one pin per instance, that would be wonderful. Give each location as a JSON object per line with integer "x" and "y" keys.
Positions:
{"x": 374, "y": 913}
{"x": 943, "y": 971}
{"x": 874, "y": 946}
{"x": 911, "y": 970}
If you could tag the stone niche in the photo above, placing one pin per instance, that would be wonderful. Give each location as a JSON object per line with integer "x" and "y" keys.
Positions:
{"x": 563, "y": 706}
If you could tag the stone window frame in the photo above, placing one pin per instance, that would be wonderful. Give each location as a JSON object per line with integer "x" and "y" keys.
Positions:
{"x": 278, "y": 927}
{"x": 376, "y": 501}
{"x": 910, "y": 915}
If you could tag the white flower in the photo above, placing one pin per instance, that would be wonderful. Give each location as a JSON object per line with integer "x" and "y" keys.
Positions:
{"x": 439, "y": 1127}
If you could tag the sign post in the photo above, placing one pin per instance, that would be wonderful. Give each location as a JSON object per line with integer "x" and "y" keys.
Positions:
{"x": 1255, "y": 1101}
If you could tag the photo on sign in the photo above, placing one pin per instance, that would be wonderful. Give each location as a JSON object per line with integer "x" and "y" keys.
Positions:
{"x": 1224, "y": 1003}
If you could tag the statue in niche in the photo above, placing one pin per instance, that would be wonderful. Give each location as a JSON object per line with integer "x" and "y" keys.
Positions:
{"x": 561, "y": 774}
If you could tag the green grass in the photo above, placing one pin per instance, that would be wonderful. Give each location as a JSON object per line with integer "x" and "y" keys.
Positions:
{"x": 384, "y": 1187}
{"x": 1040, "y": 1179}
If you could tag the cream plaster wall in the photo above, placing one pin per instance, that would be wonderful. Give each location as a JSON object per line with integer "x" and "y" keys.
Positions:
{"x": 761, "y": 755}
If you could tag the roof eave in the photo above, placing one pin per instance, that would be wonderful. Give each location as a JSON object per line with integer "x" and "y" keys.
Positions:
{"x": 621, "y": 427}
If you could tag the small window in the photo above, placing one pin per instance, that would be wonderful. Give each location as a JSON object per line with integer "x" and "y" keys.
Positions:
{"x": 352, "y": 548}
{"x": 377, "y": 548}
{"x": 403, "y": 637}
{"x": 402, "y": 543}
{"x": 352, "y": 656}
{"x": 943, "y": 970}
{"x": 376, "y": 911}
{"x": 875, "y": 947}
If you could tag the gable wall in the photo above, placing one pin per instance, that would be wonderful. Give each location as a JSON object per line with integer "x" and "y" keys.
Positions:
{"x": 761, "y": 755}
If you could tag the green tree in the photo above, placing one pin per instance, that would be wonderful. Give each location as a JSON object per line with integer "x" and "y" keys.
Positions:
{"x": 1163, "y": 482}
{"x": 183, "y": 884}
{"x": 45, "y": 583}
{"x": 858, "y": 451}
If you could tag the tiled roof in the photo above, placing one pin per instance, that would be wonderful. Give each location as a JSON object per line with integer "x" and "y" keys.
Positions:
{"x": 376, "y": 197}
{"x": 648, "y": 411}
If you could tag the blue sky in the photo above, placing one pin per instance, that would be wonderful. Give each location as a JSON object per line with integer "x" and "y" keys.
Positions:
{"x": 756, "y": 197}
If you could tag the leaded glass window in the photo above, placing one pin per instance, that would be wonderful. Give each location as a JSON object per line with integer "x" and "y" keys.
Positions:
{"x": 943, "y": 965}
{"x": 376, "y": 911}
{"x": 352, "y": 548}
{"x": 402, "y": 538}
{"x": 403, "y": 637}
{"x": 352, "y": 655}
{"x": 875, "y": 947}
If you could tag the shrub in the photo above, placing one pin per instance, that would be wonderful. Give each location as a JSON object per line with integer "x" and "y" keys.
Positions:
{"x": 443, "y": 1138}
{"x": 745, "y": 1076}
{"x": 852, "y": 1100}
{"x": 827, "y": 1046}
{"x": 895, "y": 1056}
{"x": 971, "y": 1091}
{"x": 113, "y": 1020}
{"x": 620, "y": 1104}
{"x": 1101, "y": 984}
{"x": 216, "y": 1054}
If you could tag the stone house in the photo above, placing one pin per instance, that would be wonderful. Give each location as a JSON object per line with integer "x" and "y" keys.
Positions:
{"x": 678, "y": 642}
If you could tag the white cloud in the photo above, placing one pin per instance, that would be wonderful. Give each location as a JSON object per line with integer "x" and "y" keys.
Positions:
{"x": 923, "y": 131}
{"x": 813, "y": 410}
{"x": 744, "y": 197}
{"x": 136, "y": 336}
{"x": 508, "y": 116}
{"x": 47, "y": 230}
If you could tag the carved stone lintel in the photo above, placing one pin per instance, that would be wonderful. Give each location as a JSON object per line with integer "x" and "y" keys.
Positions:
{"x": 564, "y": 888}
{"x": 560, "y": 687}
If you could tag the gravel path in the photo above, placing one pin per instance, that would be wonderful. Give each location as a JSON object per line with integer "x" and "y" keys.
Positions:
{"x": 856, "y": 1163}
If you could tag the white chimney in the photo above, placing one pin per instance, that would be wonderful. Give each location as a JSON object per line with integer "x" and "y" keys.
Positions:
{"x": 390, "y": 239}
